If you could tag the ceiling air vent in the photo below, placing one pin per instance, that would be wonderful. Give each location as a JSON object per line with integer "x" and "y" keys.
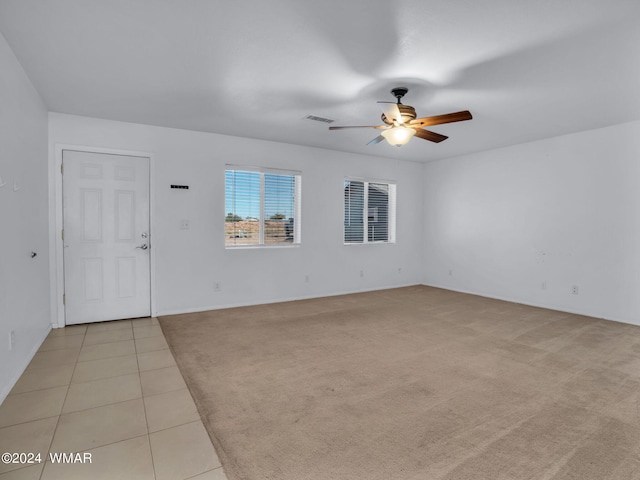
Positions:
{"x": 315, "y": 118}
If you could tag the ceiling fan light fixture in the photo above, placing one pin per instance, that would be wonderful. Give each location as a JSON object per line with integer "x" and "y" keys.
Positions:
{"x": 401, "y": 122}
{"x": 398, "y": 136}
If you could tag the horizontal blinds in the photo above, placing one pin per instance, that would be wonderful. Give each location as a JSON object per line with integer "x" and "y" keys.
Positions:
{"x": 392, "y": 213}
{"x": 353, "y": 211}
{"x": 261, "y": 208}
{"x": 378, "y": 212}
{"x": 369, "y": 212}
{"x": 279, "y": 208}
{"x": 275, "y": 171}
{"x": 242, "y": 207}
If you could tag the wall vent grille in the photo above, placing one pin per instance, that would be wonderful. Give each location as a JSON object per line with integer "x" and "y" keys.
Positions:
{"x": 315, "y": 118}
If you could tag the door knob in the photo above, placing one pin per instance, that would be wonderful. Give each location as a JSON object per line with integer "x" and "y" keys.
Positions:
{"x": 144, "y": 246}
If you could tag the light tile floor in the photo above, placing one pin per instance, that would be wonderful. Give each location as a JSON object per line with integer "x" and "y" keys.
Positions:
{"x": 112, "y": 390}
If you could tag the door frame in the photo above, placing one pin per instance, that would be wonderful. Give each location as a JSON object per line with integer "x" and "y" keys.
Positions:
{"x": 56, "y": 251}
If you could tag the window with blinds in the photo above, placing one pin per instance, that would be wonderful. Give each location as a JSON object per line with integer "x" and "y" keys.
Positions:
{"x": 369, "y": 212}
{"x": 262, "y": 207}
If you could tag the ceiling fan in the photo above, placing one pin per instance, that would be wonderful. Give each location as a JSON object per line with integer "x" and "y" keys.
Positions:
{"x": 401, "y": 123}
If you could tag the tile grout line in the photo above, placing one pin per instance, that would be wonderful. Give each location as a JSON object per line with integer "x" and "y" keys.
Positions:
{"x": 144, "y": 405}
{"x": 30, "y": 369}
{"x": 206, "y": 471}
{"x": 103, "y": 378}
{"x": 55, "y": 430}
{"x": 105, "y": 358}
{"x": 114, "y": 403}
{"x": 101, "y": 446}
{"x": 175, "y": 426}
{"x": 90, "y": 408}
{"x": 108, "y": 376}
{"x": 37, "y": 390}
{"x": 200, "y": 420}
{"x": 123, "y": 401}
{"x": 70, "y": 382}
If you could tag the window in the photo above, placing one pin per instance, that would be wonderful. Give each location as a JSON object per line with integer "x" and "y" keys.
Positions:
{"x": 378, "y": 200}
{"x": 262, "y": 207}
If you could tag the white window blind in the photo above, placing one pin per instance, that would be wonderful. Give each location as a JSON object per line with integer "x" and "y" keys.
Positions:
{"x": 369, "y": 212}
{"x": 262, "y": 207}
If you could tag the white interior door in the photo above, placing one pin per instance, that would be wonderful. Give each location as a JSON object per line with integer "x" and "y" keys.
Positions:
{"x": 106, "y": 237}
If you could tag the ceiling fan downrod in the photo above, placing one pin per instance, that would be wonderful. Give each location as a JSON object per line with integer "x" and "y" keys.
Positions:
{"x": 399, "y": 92}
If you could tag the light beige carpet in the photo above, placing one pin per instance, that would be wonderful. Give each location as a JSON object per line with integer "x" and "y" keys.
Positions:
{"x": 413, "y": 383}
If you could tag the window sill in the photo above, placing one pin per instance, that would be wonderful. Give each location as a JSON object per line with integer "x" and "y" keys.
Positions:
{"x": 260, "y": 247}
{"x": 368, "y": 243}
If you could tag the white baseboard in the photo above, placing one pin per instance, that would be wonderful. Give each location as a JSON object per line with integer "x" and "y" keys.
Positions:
{"x": 279, "y": 300}
{"x": 534, "y": 304}
{"x": 23, "y": 366}
{"x": 459, "y": 290}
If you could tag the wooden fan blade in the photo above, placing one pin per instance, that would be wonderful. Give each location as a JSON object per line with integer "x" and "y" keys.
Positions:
{"x": 391, "y": 111}
{"x": 376, "y": 140}
{"x": 440, "y": 119}
{"x": 429, "y": 135}
{"x": 358, "y": 126}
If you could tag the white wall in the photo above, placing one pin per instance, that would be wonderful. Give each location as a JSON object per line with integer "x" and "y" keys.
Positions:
{"x": 565, "y": 211}
{"x": 24, "y": 282}
{"x": 189, "y": 262}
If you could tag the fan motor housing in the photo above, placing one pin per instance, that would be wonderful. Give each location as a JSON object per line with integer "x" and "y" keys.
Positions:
{"x": 407, "y": 111}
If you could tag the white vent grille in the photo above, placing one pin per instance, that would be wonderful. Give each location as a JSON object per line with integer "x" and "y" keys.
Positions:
{"x": 315, "y": 118}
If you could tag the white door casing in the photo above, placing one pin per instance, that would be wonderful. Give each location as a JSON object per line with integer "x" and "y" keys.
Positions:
{"x": 106, "y": 236}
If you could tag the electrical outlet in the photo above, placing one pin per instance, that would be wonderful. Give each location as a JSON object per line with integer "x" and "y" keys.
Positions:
{"x": 217, "y": 286}
{"x": 575, "y": 290}
{"x": 12, "y": 339}
{"x": 184, "y": 224}
{"x": 543, "y": 285}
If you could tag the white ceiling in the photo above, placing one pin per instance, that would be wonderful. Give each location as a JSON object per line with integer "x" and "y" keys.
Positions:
{"x": 255, "y": 68}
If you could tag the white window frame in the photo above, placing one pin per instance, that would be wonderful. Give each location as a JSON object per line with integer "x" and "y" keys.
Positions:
{"x": 297, "y": 204}
{"x": 391, "y": 214}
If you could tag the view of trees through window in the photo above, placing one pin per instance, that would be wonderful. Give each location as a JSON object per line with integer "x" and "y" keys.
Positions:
{"x": 261, "y": 208}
